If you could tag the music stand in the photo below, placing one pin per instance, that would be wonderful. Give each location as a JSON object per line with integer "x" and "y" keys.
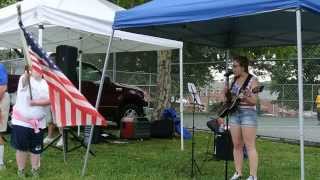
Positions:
{"x": 196, "y": 101}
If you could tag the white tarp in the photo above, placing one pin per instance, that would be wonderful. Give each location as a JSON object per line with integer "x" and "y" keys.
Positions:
{"x": 68, "y": 21}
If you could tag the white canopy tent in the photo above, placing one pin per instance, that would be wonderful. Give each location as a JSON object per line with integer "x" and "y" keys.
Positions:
{"x": 86, "y": 24}
{"x": 69, "y": 21}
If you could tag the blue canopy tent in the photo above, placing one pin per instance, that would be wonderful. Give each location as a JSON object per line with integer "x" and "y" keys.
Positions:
{"x": 224, "y": 23}
{"x": 229, "y": 24}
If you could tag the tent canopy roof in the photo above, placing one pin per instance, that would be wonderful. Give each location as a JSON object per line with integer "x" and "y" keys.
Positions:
{"x": 68, "y": 21}
{"x": 224, "y": 23}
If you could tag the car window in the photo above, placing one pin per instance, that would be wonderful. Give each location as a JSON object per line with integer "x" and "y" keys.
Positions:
{"x": 89, "y": 73}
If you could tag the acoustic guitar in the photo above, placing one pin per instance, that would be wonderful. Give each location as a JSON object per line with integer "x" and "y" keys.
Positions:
{"x": 235, "y": 102}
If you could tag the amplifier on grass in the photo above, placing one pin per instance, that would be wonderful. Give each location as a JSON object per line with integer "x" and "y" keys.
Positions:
{"x": 162, "y": 128}
{"x": 224, "y": 147}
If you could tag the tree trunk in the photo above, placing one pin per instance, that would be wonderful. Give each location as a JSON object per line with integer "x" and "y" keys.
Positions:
{"x": 163, "y": 83}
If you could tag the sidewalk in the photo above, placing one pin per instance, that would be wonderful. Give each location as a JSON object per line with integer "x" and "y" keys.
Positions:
{"x": 278, "y": 127}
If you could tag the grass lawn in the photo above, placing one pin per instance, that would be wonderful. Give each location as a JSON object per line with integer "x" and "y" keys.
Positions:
{"x": 162, "y": 159}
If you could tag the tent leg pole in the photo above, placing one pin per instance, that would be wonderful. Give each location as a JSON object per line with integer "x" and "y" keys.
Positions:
{"x": 80, "y": 74}
{"x": 98, "y": 101}
{"x": 114, "y": 66}
{"x": 63, "y": 136}
{"x": 181, "y": 96}
{"x": 40, "y": 34}
{"x": 300, "y": 88}
{"x": 227, "y": 61}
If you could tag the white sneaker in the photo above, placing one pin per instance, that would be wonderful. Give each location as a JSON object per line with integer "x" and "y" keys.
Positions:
{"x": 236, "y": 176}
{"x": 47, "y": 140}
{"x": 60, "y": 142}
{"x": 251, "y": 178}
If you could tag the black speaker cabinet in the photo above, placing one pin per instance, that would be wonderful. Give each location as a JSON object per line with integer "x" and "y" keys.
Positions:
{"x": 224, "y": 147}
{"x": 162, "y": 128}
{"x": 66, "y": 60}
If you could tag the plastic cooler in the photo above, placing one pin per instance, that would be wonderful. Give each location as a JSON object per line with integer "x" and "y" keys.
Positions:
{"x": 138, "y": 128}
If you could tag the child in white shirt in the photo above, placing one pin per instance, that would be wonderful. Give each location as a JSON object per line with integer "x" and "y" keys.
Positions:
{"x": 28, "y": 120}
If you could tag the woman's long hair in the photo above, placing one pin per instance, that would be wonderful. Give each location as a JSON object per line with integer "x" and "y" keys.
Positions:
{"x": 243, "y": 62}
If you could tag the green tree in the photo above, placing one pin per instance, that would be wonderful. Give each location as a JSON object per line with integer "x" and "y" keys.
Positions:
{"x": 200, "y": 74}
{"x": 128, "y": 3}
{"x": 4, "y": 3}
{"x": 162, "y": 99}
{"x": 198, "y": 61}
{"x": 283, "y": 69}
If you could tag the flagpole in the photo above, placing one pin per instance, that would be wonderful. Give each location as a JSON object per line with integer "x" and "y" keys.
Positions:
{"x": 98, "y": 100}
{"x": 25, "y": 50}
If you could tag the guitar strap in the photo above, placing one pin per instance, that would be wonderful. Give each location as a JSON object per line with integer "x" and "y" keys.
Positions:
{"x": 244, "y": 85}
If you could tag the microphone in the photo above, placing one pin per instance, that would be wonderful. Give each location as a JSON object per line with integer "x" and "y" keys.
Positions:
{"x": 228, "y": 73}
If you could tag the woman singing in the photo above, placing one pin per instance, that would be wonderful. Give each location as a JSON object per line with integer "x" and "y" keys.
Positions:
{"x": 243, "y": 122}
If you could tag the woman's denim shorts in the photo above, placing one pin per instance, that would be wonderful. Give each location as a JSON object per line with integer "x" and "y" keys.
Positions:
{"x": 244, "y": 118}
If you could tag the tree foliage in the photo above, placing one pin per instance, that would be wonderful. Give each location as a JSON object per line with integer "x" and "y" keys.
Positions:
{"x": 281, "y": 64}
{"x": 128, "y": 3}
{"x": 4, "y": 3}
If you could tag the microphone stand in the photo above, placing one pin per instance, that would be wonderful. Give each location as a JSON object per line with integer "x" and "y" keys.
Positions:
{"x": 194, "y": 166}
{"x": 226, "y": 133}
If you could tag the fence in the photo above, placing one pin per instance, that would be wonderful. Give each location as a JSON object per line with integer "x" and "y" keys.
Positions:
{"x": 277, "y": 99}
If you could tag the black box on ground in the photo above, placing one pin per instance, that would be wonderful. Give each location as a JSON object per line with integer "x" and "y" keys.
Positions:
{"x": 162, "y": 128}
{"x": 224, "y": 147}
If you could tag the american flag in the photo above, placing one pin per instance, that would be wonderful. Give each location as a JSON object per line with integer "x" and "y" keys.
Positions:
{"x": 69, "y": 107}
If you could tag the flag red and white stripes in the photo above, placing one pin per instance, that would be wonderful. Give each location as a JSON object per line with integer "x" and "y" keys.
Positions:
{"x": 69, "y": 107}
